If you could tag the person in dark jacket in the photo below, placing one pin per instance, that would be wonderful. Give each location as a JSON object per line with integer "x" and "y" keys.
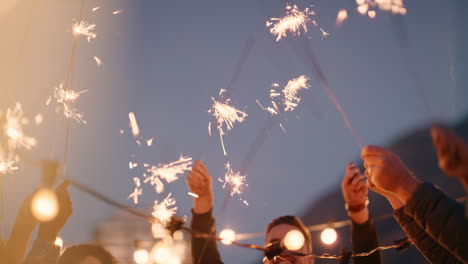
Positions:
{"x": 420, "y": 207}
{"x": 204, "y": 251}
{"x": 363, "y": 234}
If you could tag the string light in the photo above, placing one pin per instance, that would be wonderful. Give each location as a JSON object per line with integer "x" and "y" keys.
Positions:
{"x": 227, "y": 236}
{"x": 294, "y": 240}
{"x": 141, "y": 256}
{"x": 44, "y": 205}
{"x": 328, "y": 236}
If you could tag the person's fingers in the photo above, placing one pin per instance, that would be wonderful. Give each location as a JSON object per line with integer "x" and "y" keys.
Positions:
{"x": 361, "y": 186}
{"x": 355, "y": 181}
{"x": 371, "y": 150}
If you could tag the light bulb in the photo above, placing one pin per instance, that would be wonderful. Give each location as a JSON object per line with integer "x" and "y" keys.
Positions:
{"x": 329, "y": 236}
{"x": 294, "y": 240}
{"x": 44, "y": 205}
{"x": 227, "y": 236}
{"x": 141, "y": 256}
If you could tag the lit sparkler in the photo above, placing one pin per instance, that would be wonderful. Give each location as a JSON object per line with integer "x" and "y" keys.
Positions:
{"x": 163, "y": 211}
{"x": 235, "y": 180}
{"x": 226, "y": 115}
{"x": 7, "y": 165}
{"x": 294, "y": 21}
{"x": 170, "y": 172}
{"x": 65, "y": 99}
{"x": 98, "y": 61}
{"x": 13, "y": 129}
{"x": 396, "y": 7}
{"x": 290, "y": 92}
{"x": 85, "y": 29}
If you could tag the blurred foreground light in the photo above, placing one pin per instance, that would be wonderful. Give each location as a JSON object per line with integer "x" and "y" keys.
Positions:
{"x": 371, "y": 13}
{"x": 294, "y": 240}
{"x": 329, "y": 236}
{"x": 44, "y": 205}
{"x": 141, "y": 256}
{"x": 59, "y": 242}
{"x": 227, "y": 236}
{"x": 161, "y": 253}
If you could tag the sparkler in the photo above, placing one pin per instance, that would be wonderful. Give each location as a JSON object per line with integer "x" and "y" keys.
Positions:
{"x": 290, "y": 92}
{"x": 7, "y": 165}
{"x": 163, "y": 211}
{"x": 226, "y": 115}
{"x": 98, "y": 61}
{"x": 65, "y": 99}
{"x": 294, "y": 21}
{"x": 170, "y": 172}
{"x": 235, "y": 180}
{"x": 13, "y": 129}
{"x": 396, "y": 7}
{"x": 85, "y": 29}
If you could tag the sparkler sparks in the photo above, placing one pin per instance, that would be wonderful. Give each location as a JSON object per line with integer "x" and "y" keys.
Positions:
{"x": 7, "y": 165}
{"x": 13, "y": 129}
{"x": 98, "y": 61}
{"x": 163, "y": 211}
{"x": 396, "y": 7}
{"x": 170, "y": 172}
{"x": 133, "y": 124}
{"x": 226, "y": 115}
{"x": 65, "y": 99}
{"x": 290, "y": 92}
{"x": 117, "y": 12}
{"x": 96, "y": 8}
{"x": 85, "y": 29}
{"x": 294, "y": 21}
{"x": 235, "y": 180}
{"x": 137, "y": 191}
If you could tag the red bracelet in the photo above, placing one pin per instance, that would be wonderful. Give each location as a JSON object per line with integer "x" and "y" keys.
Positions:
{"x": 357, "y": 208}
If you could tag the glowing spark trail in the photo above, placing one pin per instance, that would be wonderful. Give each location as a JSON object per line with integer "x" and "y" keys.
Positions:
{"x": 324, "y": 34}
{"x": 169, "y": 172}
{"x": 294, "y": 21}
{"x": 98, "y": 61}
{"x": 341, "y": 17}
{"x": 85, "y": 29}
{"x": 290, "y": 92}
{"x": 65, "y": 99}
{"x": 226, "y": 115}
{"x": 13, "y": 129}
{"x": 163, "y": 211}
{"x": 235, "y": 180}
{"x": 117, "y": 12}
{"x": 133, "y": 124}
{"x": 137, "y": 192}
{"x": 96, "y": 8}
{"x": 149, "y": 142}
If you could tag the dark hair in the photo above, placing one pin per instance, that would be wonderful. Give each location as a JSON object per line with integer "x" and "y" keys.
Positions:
{"x": 76, "y": 254}
{"x": 294, "y": 221}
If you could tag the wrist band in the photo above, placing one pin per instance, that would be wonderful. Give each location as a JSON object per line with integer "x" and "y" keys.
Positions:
{"x": 357, "y": 208}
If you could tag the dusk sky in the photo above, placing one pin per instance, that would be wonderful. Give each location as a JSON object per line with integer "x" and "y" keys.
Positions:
{"x": 163, "y": 60}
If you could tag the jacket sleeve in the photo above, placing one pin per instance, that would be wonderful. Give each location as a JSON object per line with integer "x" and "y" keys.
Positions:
{"x": 204, "y": 250}
{"x": 431, "y": 250}
{"x": 441, "y": 217}
{"x": 364, "y": 237}
{"x": 43, "y": 252}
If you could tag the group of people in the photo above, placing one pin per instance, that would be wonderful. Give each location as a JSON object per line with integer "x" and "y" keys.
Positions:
{"x": 436, "y": 224}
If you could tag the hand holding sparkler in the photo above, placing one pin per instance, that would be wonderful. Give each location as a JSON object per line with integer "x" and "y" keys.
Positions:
{"x": 354, "y": 189}
{"x": 199, "y": 182}
{"x": 452, "y": 153}
{"x": 386, "y": 171}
